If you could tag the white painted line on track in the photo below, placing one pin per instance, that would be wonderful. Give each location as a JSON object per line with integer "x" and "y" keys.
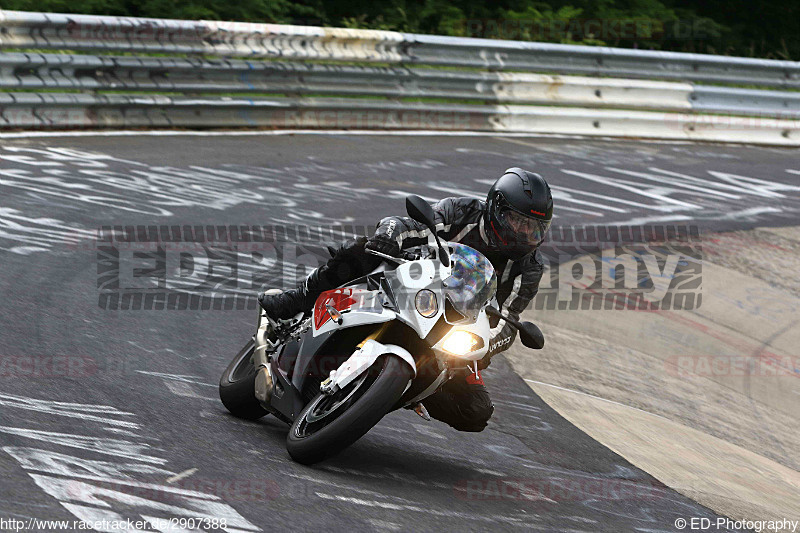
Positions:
{"x": 194, "y": 380}
{"x": 185, "y": 390}
{"x": 595, "y": 397}
{"x": 182, "y": 475}
{"x": 383, "y": 525}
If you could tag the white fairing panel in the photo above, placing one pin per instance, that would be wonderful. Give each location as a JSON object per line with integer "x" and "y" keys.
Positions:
{"x": 408, "y": 279}
{"x": 364, "y": 357}
{"x": 480, "y": 328}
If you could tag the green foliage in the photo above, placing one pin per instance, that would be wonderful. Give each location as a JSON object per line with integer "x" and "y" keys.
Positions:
{"x": 767, "y": 28}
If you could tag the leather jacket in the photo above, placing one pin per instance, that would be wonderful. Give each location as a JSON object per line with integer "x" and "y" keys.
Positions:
{"x": 463, "y": 220}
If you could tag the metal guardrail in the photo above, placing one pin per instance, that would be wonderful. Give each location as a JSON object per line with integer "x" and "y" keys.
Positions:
{"x": 101, "y": 73}
{"x": 602, "y": 61}
{"x": 278, "y": 76}
{"x": 34, "y": 110}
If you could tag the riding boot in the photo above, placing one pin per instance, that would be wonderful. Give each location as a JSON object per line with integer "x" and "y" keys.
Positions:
{"x": 347, "y": 263}
{"x": 285, "y": 305}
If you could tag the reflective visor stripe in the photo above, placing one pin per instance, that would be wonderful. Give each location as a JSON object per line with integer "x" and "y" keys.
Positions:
{"x": 507, "y": 304}
{"x": 464, "y": 231}
{"x": 420, "y": 234}
{"x": 482, "y": 231}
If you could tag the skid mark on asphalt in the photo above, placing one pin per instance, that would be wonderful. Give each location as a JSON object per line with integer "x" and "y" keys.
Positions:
{"x": 386, "y": 473}
{"x": 182, "y": 385}
{"x": 517, "y": 521}
{"x": 383, "y": 525}
{"x": 345, "y": 486}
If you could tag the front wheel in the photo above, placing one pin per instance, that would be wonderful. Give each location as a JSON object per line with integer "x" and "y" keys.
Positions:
{"x": 331, "y": 423}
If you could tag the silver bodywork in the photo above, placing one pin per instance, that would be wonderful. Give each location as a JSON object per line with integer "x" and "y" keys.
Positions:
{"x": 406, "y": 280}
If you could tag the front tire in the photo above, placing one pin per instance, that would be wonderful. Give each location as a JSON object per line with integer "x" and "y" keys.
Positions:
{"x": 237, "y": 386}
{"x": 329, "y": 424}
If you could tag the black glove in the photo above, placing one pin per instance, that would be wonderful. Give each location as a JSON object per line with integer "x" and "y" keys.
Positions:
{"x": 383, "y": 244}
{"x": 484, "y": 362}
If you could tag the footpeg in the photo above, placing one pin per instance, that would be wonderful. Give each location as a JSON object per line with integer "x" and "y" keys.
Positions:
{"x": 421, "y": 411}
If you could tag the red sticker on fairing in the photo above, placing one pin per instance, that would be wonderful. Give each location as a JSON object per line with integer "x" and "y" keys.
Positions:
{"x": 340, "y": 299}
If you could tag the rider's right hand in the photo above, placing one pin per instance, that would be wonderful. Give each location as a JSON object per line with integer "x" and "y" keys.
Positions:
{"x": 383, "y": 244}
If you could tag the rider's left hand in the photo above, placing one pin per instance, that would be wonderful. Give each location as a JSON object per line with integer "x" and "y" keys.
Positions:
{"x": 384, "y": 245}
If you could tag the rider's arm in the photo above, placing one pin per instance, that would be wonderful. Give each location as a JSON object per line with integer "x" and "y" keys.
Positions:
{"x": 451, "y": 215}
{"x": 523, "y": 289}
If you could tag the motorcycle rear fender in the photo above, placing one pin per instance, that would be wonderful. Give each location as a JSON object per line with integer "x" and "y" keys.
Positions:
{"x": 363, "y": 358}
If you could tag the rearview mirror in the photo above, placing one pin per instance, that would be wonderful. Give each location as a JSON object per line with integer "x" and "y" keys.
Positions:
{"x": 531, "y": 336}
{"x": 421, "y": 211}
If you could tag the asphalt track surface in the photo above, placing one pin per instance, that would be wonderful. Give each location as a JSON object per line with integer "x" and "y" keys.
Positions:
{"x": 114, "y": 414}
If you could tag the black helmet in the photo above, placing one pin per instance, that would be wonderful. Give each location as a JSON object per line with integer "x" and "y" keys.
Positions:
{"x": 519, "y": 209}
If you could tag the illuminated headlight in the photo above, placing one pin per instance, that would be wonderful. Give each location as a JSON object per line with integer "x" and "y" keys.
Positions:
{"x": 459, "y": 342}
{"x": 426, "y": 303}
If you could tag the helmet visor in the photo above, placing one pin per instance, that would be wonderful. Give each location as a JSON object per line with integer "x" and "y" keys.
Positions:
{"x": 524, "y": 230}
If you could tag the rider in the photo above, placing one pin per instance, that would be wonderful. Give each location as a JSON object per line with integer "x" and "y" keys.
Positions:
{"x": 507, "y": 228}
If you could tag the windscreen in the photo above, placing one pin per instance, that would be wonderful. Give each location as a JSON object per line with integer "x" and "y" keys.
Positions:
{"x": 472, "y": 282}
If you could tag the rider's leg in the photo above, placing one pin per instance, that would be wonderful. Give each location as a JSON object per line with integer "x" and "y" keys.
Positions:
{"x": 349, "y": 262}
{"x": 463, "y": 403}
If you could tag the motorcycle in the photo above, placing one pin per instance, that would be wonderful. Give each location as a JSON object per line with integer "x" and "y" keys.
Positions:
{"x": 382, "y": 342}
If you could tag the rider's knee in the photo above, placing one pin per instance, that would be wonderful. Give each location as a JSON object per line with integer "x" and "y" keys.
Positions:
{"x": 475, "y": 416}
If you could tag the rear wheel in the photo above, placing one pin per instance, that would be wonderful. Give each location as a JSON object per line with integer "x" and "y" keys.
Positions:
{"x": 331, "y": 423}
{"x": 237, "y": 386}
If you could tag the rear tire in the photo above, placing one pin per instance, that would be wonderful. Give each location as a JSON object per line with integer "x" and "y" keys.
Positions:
{"x": 237, "y": 386}
{"x": 361, "y": 408}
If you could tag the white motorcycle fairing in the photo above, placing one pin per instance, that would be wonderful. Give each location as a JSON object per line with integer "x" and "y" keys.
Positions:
{"x": 480, "y": 328}
{"x": 361, "y": 360}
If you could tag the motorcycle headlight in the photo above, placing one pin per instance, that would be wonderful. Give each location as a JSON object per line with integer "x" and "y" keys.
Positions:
{"x": 459, "y": 342}
{"x": 426, "y": 303}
